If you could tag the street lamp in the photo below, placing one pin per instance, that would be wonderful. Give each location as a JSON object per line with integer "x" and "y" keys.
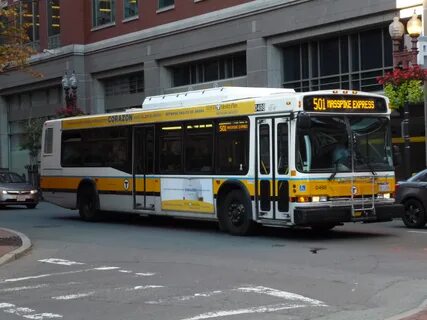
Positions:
{"x": 403, "y": 58}
{"x": 70, "y": 82}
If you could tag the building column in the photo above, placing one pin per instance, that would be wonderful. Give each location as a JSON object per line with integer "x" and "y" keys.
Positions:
{"x": 4, "y": 134}
{"x": 97, "y": 104}
{"x": 263, "y": 64}
{"x": 156, "y": 78}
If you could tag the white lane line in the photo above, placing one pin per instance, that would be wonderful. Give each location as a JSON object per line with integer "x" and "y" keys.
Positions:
{"x": 44, "y": 275}
{"x": 186, "y": 298}
{"x": 57, "y": 274}
{"x": 413, "y": 231}
{"x": 144, "y": 287}
{"x": 41, "y": 316}
{"x": 282, "y": 294}
{"x": 27, "y": 312}
{"x": 74, "y": 296}
{"x": 24, "y": 288}
{"x": 145, "y": 274}
{"x": 106, "y": 268}
{"x": 62, "y": 262}
{"x": 262, "y": 309}
{"x": 125, "y": 271}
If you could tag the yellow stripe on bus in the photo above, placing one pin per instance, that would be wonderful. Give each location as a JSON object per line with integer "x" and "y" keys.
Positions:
{"x": 191, "y": 113}
{"x": 411, "y": 139}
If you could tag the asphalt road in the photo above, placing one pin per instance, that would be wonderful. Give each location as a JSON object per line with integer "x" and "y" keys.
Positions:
{"x": 169, "y": 269}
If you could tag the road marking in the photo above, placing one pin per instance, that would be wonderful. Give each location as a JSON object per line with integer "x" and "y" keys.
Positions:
{"x": 262, "y": 309}
{"x": 186, "y": 298}
{"x": 26, "y": 312}
{"x": 74, "y": 296}
{"x": 146, "y": 274}
{"x": 62, "y": 262}
{"x": 282, "y": 294}
{"x": 144, "y": 287}
{"x": 24, "y": 288}
{"x": 125, "y": 271}
{"x": 106, "y": 268}
{"x": 412, "y": 231}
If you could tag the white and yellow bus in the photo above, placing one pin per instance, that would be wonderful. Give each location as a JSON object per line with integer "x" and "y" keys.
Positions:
{"x": 240, "y": 156}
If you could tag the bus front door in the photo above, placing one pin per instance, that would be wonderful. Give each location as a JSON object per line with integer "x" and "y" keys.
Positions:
{"x": 272, "y": 174}
{"x": 143, "y": 167}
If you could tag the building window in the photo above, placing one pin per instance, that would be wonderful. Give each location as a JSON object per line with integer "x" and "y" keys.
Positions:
{"x": 54, "y": 17}
{"x": 219, "y": 68}
{"x": 30, "y": 16}
{"x": 130, "y": 8}
{"x": 350, "y": 61}
{"x": 121, "y": 85}
{"x": 103, "y": 12}
{"x": 166, "y": 3}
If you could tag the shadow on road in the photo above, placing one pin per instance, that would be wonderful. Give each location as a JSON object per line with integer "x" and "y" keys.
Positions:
{"x": 210, "y": 227}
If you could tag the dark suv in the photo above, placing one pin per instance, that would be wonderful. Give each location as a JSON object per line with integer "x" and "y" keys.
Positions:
{"x": 412, "y": 193}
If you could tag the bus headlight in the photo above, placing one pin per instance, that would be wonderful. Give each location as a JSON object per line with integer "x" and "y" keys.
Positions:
{"x": 383, "y": 196}
{"x": 319, "y": 199}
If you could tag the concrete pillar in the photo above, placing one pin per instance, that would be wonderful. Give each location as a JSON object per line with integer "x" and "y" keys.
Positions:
{"x": 97, "y": 104}
{"x": 153, "y": 78}
{"x": 256, "y": 62}
{"x": 263, "y": 64}
{"x": 4, "y": 134}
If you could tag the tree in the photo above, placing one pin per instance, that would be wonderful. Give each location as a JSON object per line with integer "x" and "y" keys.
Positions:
{"x": 14, "y": 49}
{"x": 32, "y": 138}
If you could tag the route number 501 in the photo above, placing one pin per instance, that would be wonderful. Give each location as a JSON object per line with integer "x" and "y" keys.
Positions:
{"x": 319, "y": 104}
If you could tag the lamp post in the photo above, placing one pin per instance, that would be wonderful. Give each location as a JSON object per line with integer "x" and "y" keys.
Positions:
{"x": 70, "y": 82}
{"x": 403, "y": 58}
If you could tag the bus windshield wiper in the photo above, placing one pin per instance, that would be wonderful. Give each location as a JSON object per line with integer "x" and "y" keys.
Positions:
{"x": 335, "y": 171}
{"x": 367, "y": 162}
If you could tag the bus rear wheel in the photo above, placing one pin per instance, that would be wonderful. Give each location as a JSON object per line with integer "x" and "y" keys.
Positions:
{"x": 87, "y": 205}
{"x": 235, "y": 215}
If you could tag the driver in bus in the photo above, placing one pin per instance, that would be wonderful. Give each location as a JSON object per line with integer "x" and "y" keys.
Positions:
{"x": 341, "y": 158}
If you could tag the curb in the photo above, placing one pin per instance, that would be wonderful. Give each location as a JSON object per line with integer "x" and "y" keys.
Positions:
{"x": 411, "y": 314}
{"x": 17, "y": 253}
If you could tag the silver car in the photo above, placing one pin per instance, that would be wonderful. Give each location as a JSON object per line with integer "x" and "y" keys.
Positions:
{"x": 14, "y": 190}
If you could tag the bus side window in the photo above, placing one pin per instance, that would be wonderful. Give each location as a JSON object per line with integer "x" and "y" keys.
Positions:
{"x": 282, "y": 148}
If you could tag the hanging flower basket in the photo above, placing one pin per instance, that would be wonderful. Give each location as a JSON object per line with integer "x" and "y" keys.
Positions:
{"x": 404, "y": 86}
{"x": 66, "y": 112}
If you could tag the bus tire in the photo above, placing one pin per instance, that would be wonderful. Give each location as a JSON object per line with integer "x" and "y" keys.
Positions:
{"x": 235, "y": 215}
{"x": 88, "y": 210}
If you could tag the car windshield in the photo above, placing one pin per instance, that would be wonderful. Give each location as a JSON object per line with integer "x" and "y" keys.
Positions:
{"x": 420, "y": 176}
{"x": 344, "y": 143}
{"x": 10, "y": 177}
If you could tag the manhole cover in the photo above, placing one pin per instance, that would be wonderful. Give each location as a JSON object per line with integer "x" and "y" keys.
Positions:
{"x": 10, "y": 241}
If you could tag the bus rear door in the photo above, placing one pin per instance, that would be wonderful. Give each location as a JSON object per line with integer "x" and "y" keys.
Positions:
{"x": 143, "y": 166}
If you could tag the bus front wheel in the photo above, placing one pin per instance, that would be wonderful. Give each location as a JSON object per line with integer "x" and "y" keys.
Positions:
{"x": 87, "y": 205}
{"x": 236, "y": 214}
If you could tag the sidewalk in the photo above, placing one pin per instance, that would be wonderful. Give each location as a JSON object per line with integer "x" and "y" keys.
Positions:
{"x": 13, "y": 245}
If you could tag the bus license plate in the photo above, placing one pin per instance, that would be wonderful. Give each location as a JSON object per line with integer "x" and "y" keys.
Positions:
{"x": 357, "y": 214}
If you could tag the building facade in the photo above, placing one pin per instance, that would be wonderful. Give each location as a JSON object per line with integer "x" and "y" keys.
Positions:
{"x": 124, "y": 50}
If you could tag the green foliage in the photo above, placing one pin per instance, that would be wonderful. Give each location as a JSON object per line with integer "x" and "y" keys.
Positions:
{"x": 404, "y": 86}
{"x": 410, "y": 91}
{"x": 32, "y": 137}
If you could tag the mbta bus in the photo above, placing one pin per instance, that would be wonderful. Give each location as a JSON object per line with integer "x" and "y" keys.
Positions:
{"x": 239, "y": 156}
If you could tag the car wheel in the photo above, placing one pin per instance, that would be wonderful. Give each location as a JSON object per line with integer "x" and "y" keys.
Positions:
{"x": 236, "y": 214}
{"x": 87, "y": 205}
{"x": 414, "y": 215}
{"x": 31, "y": 206}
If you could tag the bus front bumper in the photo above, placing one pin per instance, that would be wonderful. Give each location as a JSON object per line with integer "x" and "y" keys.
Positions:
{"x": 338, "y": 215}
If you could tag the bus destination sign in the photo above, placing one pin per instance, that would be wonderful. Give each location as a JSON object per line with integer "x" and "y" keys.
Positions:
{"x": 344, "y": 103}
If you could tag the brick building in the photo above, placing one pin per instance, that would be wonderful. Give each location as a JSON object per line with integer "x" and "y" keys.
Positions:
{"x": 124, "y": 50}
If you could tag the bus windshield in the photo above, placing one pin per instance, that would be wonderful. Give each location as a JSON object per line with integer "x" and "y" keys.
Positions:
{"x": 344, "y": 144}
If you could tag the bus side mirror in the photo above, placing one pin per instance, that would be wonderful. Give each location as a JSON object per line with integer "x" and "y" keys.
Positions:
{"x": 397, "y": 156}
{"x": 304, "y": 121}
